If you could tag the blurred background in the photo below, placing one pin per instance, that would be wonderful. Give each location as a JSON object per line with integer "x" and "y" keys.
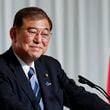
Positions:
{"x": 80, "y": 39}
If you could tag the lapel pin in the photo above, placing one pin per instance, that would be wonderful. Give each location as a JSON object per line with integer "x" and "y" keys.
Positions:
{"x": 48, "y": 83}
{"x": 46, "y": 75}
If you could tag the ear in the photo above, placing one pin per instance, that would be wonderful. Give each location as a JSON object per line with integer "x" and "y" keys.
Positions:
{"x": 13, "y": 34}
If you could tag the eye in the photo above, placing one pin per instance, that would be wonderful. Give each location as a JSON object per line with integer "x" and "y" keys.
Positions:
{"x": 45, "y": 35}
{"x": 45, "y": 32}
{"x": 34, "y": 31}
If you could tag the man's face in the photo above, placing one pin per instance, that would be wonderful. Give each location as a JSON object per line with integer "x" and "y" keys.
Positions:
{"x": 31, "y": 40}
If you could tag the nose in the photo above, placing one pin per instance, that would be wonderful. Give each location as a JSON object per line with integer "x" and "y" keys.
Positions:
{"x": 38, "y": 38}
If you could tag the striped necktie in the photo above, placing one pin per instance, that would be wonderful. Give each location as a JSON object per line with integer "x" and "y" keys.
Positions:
{"x": 35, "y": 86}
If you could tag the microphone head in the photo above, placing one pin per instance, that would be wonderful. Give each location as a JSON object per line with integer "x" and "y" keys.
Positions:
{"x": 85, "y": 81}
{"x": 82, "y": 80}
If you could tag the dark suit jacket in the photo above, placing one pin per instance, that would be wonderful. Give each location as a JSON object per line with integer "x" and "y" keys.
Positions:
{"x": 57, "y": 89}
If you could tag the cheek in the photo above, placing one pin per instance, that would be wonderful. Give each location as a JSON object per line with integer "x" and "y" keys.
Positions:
{"x": 23, "y": 42}
{"x": 45, "y": 43}
{"x": 27, "y": 39}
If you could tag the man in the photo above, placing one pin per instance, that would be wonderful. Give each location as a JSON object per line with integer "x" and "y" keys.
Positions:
{"x": 30, "y": 80}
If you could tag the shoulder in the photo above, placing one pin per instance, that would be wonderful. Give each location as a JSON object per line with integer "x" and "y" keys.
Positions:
{"x": 7, "y": 61}
{"x": 2, "y": 60}
{"x": 48, "y": 60}
{"x": 4, "y": 66}
{"x": 5, "y": 57}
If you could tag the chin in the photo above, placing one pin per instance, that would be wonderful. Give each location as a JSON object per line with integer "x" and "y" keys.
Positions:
{"x": 37, "y": 56}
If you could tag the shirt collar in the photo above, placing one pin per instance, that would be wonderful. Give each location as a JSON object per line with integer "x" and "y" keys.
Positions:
{"x": 24, "y": 66}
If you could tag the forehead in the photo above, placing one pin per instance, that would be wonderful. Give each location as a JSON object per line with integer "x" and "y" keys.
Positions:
{"x": 42, "y": 23}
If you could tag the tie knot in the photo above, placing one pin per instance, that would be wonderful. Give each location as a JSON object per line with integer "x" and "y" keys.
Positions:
{"x": 31, "y": 72}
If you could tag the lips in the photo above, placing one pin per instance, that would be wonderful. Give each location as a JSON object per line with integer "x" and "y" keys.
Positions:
{"x": 36, "y": 48}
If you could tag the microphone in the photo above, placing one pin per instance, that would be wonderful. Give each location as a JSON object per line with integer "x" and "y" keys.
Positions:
{"x": 92, "y": 85}
{"x": 85, "y": 81}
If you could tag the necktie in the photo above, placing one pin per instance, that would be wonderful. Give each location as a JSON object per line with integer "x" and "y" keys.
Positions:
{"x": 35, "y": 86}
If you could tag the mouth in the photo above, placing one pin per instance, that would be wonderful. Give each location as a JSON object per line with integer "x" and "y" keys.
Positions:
{"x": 36, "y": 46}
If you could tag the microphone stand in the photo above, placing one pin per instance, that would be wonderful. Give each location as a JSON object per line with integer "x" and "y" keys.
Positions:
{"x": 92, "y": 85}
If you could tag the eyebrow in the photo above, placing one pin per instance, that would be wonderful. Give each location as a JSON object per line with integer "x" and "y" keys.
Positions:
{"x": 38, "y": 28}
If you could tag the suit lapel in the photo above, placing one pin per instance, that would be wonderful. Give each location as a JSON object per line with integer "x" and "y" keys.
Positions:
{"x": 24, "y": 83}
{"x": 20, "y": 76}
{"x": 44, "y": 81}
